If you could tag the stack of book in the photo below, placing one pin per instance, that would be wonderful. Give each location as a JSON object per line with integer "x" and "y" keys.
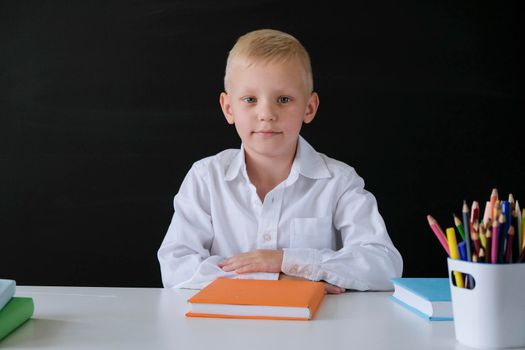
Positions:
{"x": 14, "y": 311}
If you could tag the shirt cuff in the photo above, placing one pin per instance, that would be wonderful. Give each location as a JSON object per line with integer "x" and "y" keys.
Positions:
{"x": 301, "y": 262}
{"x": 257, "y": 276}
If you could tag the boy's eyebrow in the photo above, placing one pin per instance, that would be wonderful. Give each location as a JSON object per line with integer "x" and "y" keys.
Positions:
{"x": 272, "y": 96}
{"x": 279, "y": 91}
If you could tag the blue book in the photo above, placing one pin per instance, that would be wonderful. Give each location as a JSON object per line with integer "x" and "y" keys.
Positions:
{"x": 427, "y": 297}
{"x": 7, "y": 291}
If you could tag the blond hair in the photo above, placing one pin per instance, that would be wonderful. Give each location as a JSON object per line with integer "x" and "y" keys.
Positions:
{"x": 271, "y": 46}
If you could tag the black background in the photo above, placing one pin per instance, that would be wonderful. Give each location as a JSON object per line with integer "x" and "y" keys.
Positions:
{"x": 106, "y": 104}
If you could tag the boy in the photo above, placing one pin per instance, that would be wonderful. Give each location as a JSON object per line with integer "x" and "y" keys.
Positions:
{"x": 275, "y": 208}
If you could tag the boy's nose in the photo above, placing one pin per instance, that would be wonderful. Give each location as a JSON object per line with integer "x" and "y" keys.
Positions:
{"x": 266, "y": 112}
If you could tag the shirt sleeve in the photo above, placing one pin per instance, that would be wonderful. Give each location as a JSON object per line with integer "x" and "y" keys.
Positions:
{"x": 184, "y": 255}
{"x": 367, "y": 259}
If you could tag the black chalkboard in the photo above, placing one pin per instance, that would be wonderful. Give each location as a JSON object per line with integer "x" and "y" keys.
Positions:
{"x": 104, "y": 105}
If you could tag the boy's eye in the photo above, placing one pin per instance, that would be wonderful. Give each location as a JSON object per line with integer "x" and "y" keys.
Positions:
{"x": 284, "y": 99}
{"x": 249, "y": 99}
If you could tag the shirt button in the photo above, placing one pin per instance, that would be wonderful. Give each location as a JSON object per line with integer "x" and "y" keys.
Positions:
{"x": 267, "y": 237}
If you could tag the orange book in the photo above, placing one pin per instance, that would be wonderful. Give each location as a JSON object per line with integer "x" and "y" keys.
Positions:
{"x": 261, "y": 299}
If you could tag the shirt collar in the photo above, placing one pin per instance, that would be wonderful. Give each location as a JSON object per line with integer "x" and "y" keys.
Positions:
{"x": 307, "y": 162}
{"x": 236, "y": 165}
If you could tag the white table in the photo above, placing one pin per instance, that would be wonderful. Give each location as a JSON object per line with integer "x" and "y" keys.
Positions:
{"x": 153, "y": 318}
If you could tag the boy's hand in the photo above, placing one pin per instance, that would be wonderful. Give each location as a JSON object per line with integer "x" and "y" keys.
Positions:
{"x": 261, "y": 260}
{"x": 329, "y": 288}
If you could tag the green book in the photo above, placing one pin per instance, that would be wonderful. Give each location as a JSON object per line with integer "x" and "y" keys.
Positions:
{"x": 14, "y": 314}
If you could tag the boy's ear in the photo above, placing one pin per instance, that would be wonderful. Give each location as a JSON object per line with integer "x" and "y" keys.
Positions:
{"x": 226, "y": 107}
{"x": 311, "y": 108}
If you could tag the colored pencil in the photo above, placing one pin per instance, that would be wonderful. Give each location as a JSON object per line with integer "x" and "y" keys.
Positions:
{"x": 502, "y": 239}
{"x": 493, "y": 200}
{"x": 510, "y": 240}
{"x": 515, "y": 246}
{"x": 475, "y": 237}
{"x": 523, "y": 229}
{"x": 488, "y": 246}
{"x": 466, "y": 228}
{"x": 474, "y": 212}
{"x": 474, "y": 225}
{"x": 481, "y": 257}
{"x": 521, "y": 258}
{"x": 438, "y": 232}
{"x": 487, "y": 215}
{"x": 495, "y": 242}
{"x": 454, "y": 254}
{"x": 506, "y": 212}
{"x": 519, "y": 226}
{"x": 512, "y": 202}
{"x": 482, "y": 235}
{"x": 462, "y": 251}
{"x": 459, "y": 226}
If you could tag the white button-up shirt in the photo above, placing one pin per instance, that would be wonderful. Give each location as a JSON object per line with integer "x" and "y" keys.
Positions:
{"x": 323, "y": 219}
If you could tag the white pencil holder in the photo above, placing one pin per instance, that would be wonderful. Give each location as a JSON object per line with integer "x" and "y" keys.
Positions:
{"x": 492, "y": 314}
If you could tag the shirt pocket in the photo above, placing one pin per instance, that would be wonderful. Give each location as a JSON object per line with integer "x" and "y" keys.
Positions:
{"x": 312, "y": 233}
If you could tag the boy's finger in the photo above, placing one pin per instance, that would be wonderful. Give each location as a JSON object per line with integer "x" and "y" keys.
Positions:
{"x": 230, "y": 260}
{"x": 245, "y": 269}
{"x": 252, "y": 267}
{"x": 230, "y": 267}
{"x": 235, "y": 264}
{"x": 331, "y": 289}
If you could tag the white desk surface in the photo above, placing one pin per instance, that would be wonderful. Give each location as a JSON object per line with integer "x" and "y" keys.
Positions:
{"x": 153, "y": 318}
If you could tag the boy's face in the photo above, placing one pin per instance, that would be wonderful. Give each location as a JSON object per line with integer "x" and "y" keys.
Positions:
{"x": 268, "y": 102}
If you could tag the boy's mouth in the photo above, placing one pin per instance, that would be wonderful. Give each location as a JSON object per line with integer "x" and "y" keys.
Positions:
{"x": 267, "y": 133}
